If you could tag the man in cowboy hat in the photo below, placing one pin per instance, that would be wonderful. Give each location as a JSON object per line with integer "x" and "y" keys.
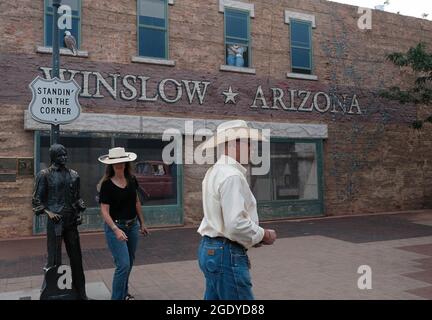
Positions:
{"x": 230, "y": 224}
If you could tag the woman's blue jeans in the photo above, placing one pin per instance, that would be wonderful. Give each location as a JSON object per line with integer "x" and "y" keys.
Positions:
{"x": 226, "y": 269}
{"x": 123, "y": 253}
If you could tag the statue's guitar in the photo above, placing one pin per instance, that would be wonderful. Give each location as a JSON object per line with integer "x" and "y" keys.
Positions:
{"x": 57, "y": 283}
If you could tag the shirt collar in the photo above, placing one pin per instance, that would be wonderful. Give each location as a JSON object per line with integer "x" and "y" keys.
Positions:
{"x": 225, "y": 159}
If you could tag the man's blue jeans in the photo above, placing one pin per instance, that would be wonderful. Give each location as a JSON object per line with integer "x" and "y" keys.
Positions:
{"x": 123, "y": 253}
{"x": 226, "y": 269}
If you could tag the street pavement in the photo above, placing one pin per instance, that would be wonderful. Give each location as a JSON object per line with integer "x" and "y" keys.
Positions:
{"x": 312, "y": 259}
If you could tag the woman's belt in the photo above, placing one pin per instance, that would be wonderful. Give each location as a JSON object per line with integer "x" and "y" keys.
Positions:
{"x": 126, "y": 222}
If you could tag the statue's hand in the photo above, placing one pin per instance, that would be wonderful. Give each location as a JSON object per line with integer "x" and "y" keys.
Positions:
{"x": 38, "y": 210}
{"x": 53, "y": 216}
{"x": 79, "y": 205}
{"x": 78, "y": 220}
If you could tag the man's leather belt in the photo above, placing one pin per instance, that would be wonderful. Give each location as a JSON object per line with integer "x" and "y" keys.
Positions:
{"x": 226, "y": 240}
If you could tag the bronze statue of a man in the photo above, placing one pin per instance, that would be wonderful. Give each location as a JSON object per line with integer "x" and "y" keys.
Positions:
{"x": 57, "y": 193}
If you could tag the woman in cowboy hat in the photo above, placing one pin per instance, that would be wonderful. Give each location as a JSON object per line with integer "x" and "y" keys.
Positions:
{"x": 120, "y": 207}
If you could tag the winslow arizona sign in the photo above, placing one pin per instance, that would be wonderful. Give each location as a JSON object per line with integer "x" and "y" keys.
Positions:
{"x": 136, "y": 87}
{"x": 54, "y": 101}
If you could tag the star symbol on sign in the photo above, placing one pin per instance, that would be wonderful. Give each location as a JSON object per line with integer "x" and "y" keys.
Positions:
{"x": 230, "y": 96}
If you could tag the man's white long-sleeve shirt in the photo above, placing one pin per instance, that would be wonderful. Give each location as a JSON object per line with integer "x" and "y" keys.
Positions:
{"x": 229, "y": 205}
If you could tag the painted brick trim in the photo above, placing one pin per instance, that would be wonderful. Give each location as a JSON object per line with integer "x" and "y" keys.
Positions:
{"x": 300, "y": 16}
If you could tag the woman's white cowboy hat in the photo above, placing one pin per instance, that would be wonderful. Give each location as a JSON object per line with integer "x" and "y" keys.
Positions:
{"x": 117, "y": 155}
{"x": 232, "y": 130}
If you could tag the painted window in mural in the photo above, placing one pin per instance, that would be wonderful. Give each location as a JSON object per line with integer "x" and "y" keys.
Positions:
{"x": 152, "y": 28}
{"x": 237, "y": 38}
{"x": 158, "y": 180}
{"x": 293, "y": 173}
{"x": 301, "y": 46}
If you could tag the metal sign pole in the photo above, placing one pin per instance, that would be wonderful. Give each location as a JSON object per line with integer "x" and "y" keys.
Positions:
{"x": 55, "y": 128}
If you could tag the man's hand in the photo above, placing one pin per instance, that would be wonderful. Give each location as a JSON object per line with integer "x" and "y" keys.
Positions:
{"x": 53, "y": 216}
{"x": 269, "y": 237}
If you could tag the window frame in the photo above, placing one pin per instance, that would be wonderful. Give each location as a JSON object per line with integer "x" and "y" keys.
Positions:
{"x": 172, "y": 213}
{"x": 249, "y": 40}
{"x": 311, "y": 62}
{"x": 73, "y": 16}
{"x": 288, "y": 208}
{"x": 166, "y": 29}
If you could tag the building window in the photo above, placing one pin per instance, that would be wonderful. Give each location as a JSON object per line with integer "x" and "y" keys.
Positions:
{"x": 301, "y": 46}
{"x": 160, "y": 182}
{"x": 76, "y": 22}
{"x": 237, "y": 38}
{"x": 293, "y": 173}
{"x": 153, "y": 28}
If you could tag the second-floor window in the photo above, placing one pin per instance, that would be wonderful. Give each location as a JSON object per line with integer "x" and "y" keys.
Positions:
{"x": 76, "y": 22}
{"x": 301, "y": 46}
{"x": 237, "y": 38}
{"x": 153, "y": 28}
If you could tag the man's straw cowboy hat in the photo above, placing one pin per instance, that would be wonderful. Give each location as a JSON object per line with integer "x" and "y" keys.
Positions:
{"x": 232, "y": 130}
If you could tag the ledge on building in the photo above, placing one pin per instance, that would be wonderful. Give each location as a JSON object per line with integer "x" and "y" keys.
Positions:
{"x": 237, "y": 5}
{"x": 302, "y": 76}
{"x": 300, "y": 16}
{"x": 224, "y": 67}
{"x": 161, "y": 62}
{"x": 63, "y": 52}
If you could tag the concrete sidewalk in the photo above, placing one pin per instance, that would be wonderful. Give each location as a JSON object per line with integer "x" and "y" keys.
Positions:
{"x": 312, "y": 259}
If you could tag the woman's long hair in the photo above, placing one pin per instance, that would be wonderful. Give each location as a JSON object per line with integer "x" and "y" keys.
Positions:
{"x": 109, "y": 173}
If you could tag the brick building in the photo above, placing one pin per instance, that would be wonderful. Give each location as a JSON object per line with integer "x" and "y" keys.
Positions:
{"x": 304, "y": 69}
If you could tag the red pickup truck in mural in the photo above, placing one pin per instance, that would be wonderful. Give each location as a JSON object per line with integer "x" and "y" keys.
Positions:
{"x": 155, "y": 178}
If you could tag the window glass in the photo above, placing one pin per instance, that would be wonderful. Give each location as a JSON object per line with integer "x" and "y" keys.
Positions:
{"x": 300, "y": 34}
{"x": 158, "y": 180}
{"x": 152, "y": 12}
{"x": 237, "y": 44}
{"x": 152, "y": 28}
{"x": 301, "y": 58}
{"x": 293, "y": 173}
{"x": 152, "y": 42}
{"x": 83, "y": 156}
{"x": 237, "y": 24}
{"x": 301, "y": 52}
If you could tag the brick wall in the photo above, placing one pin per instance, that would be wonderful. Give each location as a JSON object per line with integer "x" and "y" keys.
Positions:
{"x": 373, "y": 162}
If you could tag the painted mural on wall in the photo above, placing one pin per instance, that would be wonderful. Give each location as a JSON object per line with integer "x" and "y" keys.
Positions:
{"x": 147, "y": 89}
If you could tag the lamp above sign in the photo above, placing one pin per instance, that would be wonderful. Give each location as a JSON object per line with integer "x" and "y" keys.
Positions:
{"x": 54, "y": 101}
